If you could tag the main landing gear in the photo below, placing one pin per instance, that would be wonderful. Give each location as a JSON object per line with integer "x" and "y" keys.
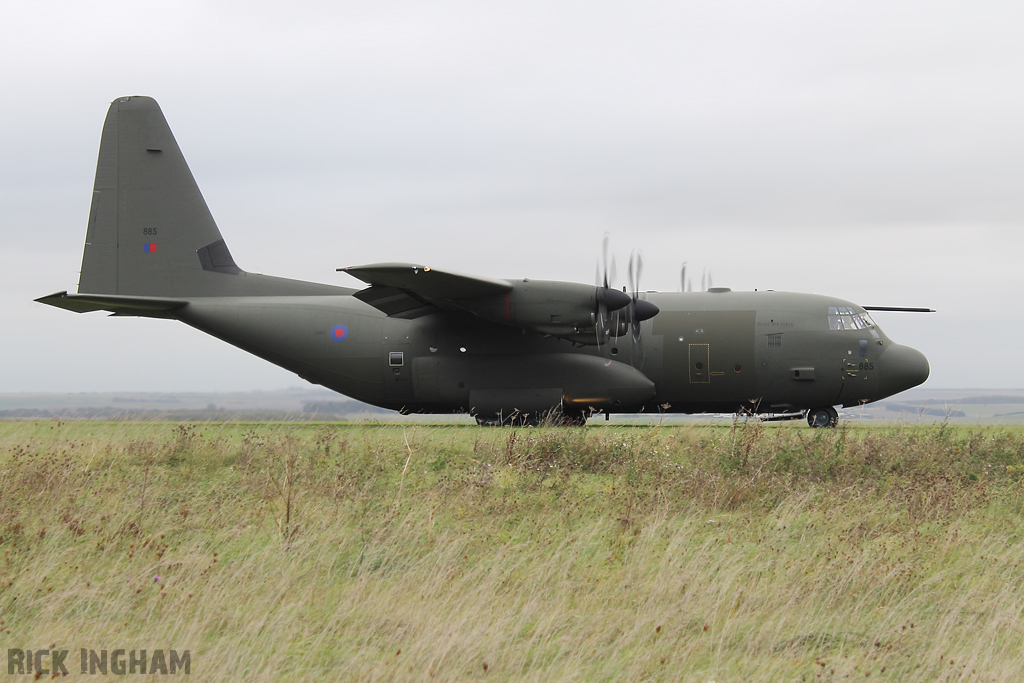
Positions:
{"x": 823, "y": 417}
{"x": 551, "y": 418}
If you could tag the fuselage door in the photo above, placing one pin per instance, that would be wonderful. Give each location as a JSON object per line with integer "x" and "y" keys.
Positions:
{"x": 700, "y": 363}
{"x": 397, "y": 361}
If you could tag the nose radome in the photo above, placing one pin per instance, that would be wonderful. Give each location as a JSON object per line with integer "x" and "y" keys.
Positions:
{"x": 902, "y": 368}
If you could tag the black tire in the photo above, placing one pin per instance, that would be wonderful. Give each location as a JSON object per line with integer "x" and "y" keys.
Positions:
{"x": 819, "y": 418}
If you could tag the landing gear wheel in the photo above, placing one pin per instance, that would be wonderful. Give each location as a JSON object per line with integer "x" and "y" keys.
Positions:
{"x": 822, "y": 417}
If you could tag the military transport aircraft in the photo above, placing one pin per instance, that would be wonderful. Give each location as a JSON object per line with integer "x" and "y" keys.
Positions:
{"x": 419, "y": 339}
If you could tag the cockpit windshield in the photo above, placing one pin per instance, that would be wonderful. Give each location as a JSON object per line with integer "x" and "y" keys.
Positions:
{"x": 845, "y": 318}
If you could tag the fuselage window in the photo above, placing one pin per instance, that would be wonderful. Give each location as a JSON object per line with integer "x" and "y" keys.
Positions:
{"x": 396, "y": 359}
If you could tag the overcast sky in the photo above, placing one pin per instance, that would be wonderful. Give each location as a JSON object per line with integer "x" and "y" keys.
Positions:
{"x": 868, "y": 150}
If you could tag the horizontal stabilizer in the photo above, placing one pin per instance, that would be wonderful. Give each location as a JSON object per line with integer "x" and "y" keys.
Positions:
{"x": 426, "y": 282}
{"x": 116, "y": 304}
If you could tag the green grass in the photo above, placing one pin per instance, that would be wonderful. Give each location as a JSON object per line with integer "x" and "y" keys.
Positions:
{"x": 450, "y": 553}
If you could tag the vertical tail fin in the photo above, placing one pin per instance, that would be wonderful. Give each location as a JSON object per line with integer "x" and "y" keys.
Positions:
{"x": 150, "y": 232}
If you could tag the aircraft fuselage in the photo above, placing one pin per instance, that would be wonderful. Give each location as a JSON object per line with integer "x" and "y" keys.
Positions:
{"x": 718, "y": 351}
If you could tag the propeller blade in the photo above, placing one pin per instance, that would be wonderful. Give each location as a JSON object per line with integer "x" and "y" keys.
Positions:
{"x": 607, "y": 299}
{"x": 601, "y": 325}
{"x": 631, "y": 271}
{"x": 604, "y": 259}
{"x": 636, "y": 267}
{"x": 639, "y": 309}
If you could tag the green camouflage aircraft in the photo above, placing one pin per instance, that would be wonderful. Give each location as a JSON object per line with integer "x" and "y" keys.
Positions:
{"x": 423, "y": 340}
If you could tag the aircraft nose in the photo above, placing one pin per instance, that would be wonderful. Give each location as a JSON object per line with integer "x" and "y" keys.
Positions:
{"x": 902, "y": 368}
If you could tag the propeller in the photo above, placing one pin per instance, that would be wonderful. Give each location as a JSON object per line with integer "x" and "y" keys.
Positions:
{"x": 705, "y": 280}
{"x": 684, "y": 284}
{"x": 638, "y": 309}
{"x": 607, "y": 299}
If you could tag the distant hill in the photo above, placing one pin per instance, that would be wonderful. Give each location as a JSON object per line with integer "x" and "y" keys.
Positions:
{"x": 287, "y": 404}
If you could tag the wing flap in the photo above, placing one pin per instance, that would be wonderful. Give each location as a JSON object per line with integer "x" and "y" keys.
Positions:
{"x": 394, "y": 302}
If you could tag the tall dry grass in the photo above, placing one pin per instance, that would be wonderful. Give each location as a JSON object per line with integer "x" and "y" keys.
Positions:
{"x": 383, "y": 552}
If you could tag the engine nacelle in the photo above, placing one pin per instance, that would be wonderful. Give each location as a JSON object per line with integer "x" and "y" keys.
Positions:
{"x": 562, "y": 309}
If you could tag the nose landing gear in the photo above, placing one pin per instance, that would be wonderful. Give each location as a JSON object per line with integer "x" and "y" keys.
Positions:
{"x": 822, "y": 417}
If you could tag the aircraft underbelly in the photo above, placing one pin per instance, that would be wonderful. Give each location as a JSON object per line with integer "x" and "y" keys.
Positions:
{"x": 490, "y": 383}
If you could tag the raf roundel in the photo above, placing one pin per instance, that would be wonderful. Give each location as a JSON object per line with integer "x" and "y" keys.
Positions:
{"x": 339, "y": 333}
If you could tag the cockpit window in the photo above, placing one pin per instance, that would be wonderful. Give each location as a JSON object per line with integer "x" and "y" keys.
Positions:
{"x": 845, "y": 318}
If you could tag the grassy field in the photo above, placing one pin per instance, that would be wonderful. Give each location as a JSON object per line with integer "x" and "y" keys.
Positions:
{"x": 387, "y": 552}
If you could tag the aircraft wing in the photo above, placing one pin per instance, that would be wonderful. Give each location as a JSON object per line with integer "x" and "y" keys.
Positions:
{"x": 408, "y": 290}
{"x": 571, "y": 310}
{"x": 427, "y": 282}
